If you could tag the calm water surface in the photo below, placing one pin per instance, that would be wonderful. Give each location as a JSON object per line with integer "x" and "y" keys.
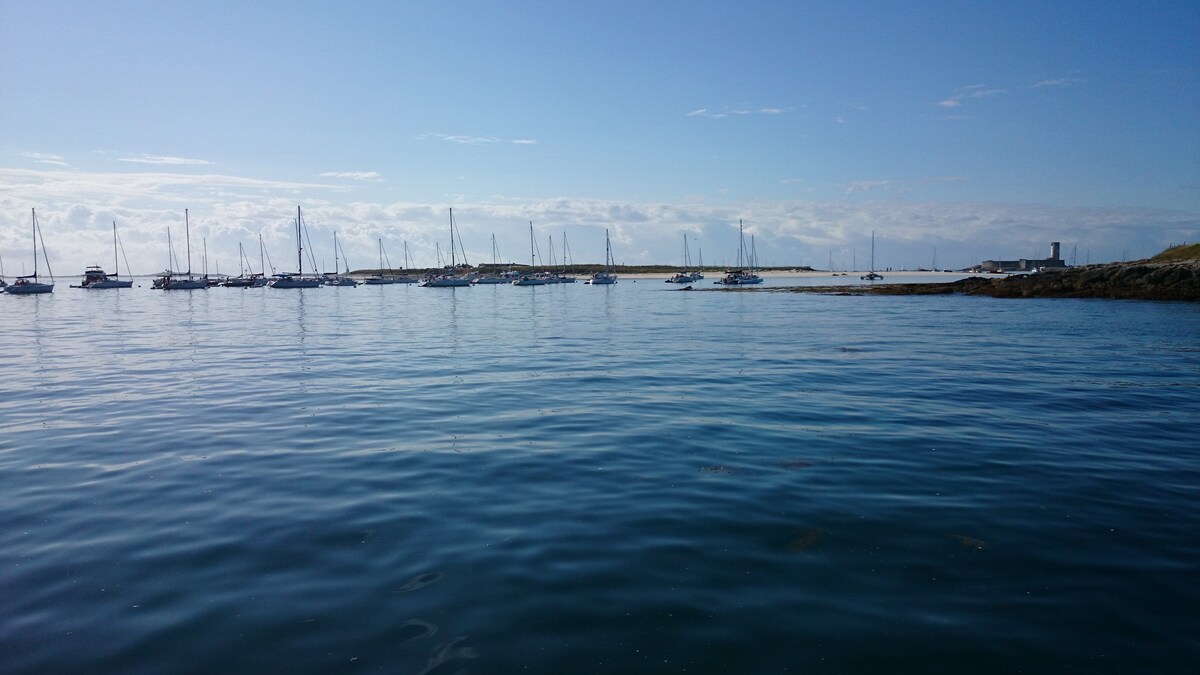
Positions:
{"x": 596, "y": 479}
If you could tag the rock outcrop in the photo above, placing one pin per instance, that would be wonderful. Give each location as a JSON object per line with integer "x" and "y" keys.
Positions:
{"x": 1138, "y": 280}
{"x": 1141, "y": 280}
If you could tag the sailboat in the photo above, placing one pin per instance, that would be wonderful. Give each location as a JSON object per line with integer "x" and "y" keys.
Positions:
{"x": 334, "y": 278}
{"x": 872, "y": 275}
{"x": 530, "y": 279}
{"x": 241, "y": 280}
{"x": 452, "y": 279}
{"x": 549, "y": 275}
{"x": 169, "y": 281}
{"x": 685, "y": 277}
{"x": 296, "y": 280}
{"x": 741, "y": 276}
{"x": 3, "y": 283}
{"x": 95, "y": 277}
{"x": 493, "y": 276}
{"x": 407, "y": 265}
{"x": 605, "y": 277}
{"x": 565, "y": 277}
{"x": 29, "y": 284}
{"x": 380, "y": 279}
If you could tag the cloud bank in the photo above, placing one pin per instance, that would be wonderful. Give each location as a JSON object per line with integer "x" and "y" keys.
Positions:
{"x": 76, "y": 210}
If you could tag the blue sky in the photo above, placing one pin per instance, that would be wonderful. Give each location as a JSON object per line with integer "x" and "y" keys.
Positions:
{"x": 977, "y": 129}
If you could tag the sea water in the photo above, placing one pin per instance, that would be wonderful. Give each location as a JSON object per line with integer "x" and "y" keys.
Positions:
{"x": 581, "y": 479}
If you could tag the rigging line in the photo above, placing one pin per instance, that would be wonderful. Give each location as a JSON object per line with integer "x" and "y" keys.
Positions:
{"x": 44, "y": 255}
{"x": 311, "y": 258}
{"x": 121, "y": 245}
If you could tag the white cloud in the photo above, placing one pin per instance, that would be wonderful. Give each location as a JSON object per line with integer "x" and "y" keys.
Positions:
{"x": 974, "y": 91}
{"x": 524, "y": 141}
{"x": 459, "y": 138}
{"x": 44, "y": 158}
{"x": 726, "y": 111}
{"x": 371, "y": 176}
{"x": 76, "y": 210}
{"x": 1062, "y": 82}
{"x": 162, "y": 159}
{"x": 897, "y": 186}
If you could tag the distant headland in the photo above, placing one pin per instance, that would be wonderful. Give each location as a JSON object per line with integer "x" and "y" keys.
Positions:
{"x": 1173, "y": 274}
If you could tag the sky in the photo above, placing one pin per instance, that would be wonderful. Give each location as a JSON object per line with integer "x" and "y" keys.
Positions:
{"x": 953, "y": 131}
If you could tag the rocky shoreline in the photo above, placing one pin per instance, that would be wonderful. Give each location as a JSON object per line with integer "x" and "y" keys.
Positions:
{"x": 1141, "y": 280}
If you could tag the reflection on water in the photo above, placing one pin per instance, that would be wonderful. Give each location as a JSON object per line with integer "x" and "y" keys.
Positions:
{"x": 596, "y": 479}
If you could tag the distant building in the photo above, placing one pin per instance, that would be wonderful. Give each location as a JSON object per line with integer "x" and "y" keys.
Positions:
{"x": 1025, "y": 264}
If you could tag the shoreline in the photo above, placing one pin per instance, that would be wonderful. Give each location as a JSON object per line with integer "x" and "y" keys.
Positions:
{"x": 1141, "y": 280}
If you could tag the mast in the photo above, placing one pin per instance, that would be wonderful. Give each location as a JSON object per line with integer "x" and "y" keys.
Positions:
{"x": 299, "y": 245}
{"x": 187, "y": 235}
{"x": 116, "y": 269}
{"x": 531, "y": 246}
{"x": 261, "y": 264}
{"x": 452, "y": 261}
{"x": 741, "y": 242}
{"x": 33, "y": 229}
{"x": 872, "y": 250}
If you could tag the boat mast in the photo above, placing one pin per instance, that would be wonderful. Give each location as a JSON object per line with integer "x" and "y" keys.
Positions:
{"x": 872, "y": 250}
{"x": 741, "y": 242}
{"x": 187, "y": 236}
{"x": 299, "y": 245}
{"x": 116, "y": 269}
{"x": 452, "y": 261}
{"x": 531, "y": 246}
{"x": 33, "y": 228}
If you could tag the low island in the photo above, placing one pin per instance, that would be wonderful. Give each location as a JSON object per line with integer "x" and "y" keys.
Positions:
{"x": 1173, "y": 274}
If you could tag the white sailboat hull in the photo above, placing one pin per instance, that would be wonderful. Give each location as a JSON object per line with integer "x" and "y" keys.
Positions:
{"x": 446, "y": 282}
{"x": 183, "y": 284}
{"x": 29, "y": 288}
{"x": 109, "y": 283}
{"x": 294, "y": 282}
